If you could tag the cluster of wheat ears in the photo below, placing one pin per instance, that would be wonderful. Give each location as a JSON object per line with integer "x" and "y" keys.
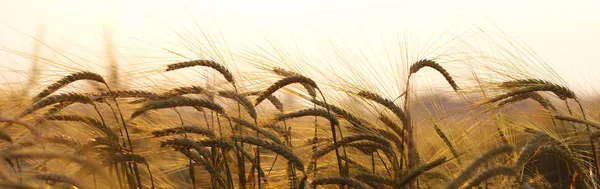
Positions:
{"x": 225, "y": 137}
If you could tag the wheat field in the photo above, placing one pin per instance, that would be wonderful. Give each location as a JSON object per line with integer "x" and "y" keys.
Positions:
{"x": 446, "y": 117}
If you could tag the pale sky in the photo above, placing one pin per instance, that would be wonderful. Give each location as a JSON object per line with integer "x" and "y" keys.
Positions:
{"x": 565, "y": 34}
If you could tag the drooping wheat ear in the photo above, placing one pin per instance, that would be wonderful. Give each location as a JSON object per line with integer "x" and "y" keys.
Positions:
{"x": 187, "y": 90}
{"x": 282, "y": 83}
{"x": 123, "y": 157}
{"x": 413, "y": 174}
{"x": 339, "y": 180}
{"x": 500, "y": 170}
{"x": 215, "y": 143}
{"x": 59, "y": 98}
{"x": 182, "y": 145}
{"x": 277, "y": 148}
{"x": 184, "y": 129}
{"x": 240, "y": 99}
{"x": 464, "y": 176}
{"x": 252, "y": 126}
{"x": 387, "y": 103}
{"x": 530, "y": 148}
{"x": 274, "y": 100}
{"x": 84, "y": 75}
{"x": 87, "y": 120}
{"x": 63, "y": 140}
{"x": 206, "y": 63}
{"x": 354, "y": 120}
{"x": 564, "y": 154}
{"x": 347, "y": 140}
{"x": 577, "y": 120}
{"x": 125, "y": 94}
{"x": 443, "y": 136}
{"x": 371, "y": 178}
{"x": 530, "y": 95}
{"x": 58, "y": 107}
{"x": 58, "y": 178}
{"x": 285, "y": 73}
{"x": 432, "y": 64}
{"x": 176, "y": 102}
{"x": 521, "y": 86}
{"x": 309, "y": 112}
{"x": 387, "y": 121}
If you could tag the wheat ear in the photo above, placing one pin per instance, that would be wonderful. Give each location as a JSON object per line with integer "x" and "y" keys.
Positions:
{"x": 309, "y": 112}
{"x": 501, "y": 170}
{"x": 432, "y": 64}
{"x": 84, "y": 75}
{"x": 413, "y": 174}
{"x": 176, "y": 102}
{"x": 125, "y": 94}
{"x": 182, "y": 144}
{"x": 373, "y": 178}
{"x": 561, "y": 92}
{"x": 282, "y": 83}
{"x": 206, "y": 63}
{"x": 577, "y": 120}
{"x": 354, "y": 120}
{"x": 84, "y": 119}
{"x": 285, "y": 73}
{"x": 59, "y": 178}
{"x": 184, "y": 129}
{"x": 240, "y": 99}
{"x": 530, "y": 147}
{"x": 387, "y": 103}
{"x": 477, "y": 163}
{"x": 60, "y": 98}
{"x": 257, "y": 129}
{"x": 277, "y": 148}
{"x": 530, "y": 95}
